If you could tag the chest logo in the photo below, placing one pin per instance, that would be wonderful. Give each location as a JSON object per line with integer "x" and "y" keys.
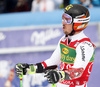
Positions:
{"x": 65, "y": 50}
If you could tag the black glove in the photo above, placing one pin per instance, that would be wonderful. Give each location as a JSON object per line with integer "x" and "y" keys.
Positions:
{"x": 54, "y": 76}
{"x": 21, "y": 68}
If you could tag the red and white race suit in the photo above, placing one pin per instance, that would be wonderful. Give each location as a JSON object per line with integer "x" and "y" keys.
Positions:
{"x": 76, "y": 58}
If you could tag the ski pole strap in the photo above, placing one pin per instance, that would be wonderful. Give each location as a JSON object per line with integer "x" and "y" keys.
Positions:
{"x": 32, "y": 69}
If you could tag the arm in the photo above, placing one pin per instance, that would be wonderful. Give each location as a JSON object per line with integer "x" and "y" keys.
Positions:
{"x": 84, "y": 52}
{"x": 50, "y": 63}
{"x": 55, "y": 57}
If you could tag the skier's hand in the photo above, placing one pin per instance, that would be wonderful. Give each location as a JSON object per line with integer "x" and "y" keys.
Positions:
{"x": 21, "y": 68}
{"x": 54, "y": 76}
{"x": 24, "y": 68}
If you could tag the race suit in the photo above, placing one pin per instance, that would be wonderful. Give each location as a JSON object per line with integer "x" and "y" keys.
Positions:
{"x": 78, "y": 54}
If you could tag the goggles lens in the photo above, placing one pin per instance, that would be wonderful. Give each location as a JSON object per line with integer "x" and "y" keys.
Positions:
{"x": 66, "y": 18}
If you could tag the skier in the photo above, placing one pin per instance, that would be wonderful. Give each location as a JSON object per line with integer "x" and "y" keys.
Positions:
{"x": 75, "y": 52}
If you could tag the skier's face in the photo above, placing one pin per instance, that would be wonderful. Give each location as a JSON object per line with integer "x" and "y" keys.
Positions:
{"x": 67, "y": 25}
{"x": 67, "y": 28}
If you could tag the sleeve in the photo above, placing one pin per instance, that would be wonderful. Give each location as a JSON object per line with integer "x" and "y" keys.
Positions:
{"x": 50, "y": 63}
{"x": 84, "y": 52}
{"x": 55, "y": 57}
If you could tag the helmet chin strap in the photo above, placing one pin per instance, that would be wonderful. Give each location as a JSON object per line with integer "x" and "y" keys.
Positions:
{"x": 73, "y": 31}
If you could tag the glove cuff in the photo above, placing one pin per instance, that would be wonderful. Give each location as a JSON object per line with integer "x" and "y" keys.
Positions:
{"x": 62, "y": 75}
{"x": 32, "y": 69}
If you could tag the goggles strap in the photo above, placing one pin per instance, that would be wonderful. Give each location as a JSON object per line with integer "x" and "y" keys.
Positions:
{"x": 83, "y": 20}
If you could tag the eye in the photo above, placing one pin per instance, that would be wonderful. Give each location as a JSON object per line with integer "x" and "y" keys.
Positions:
{"x": 65, "y": 20}
{"x": 62, "y": 20}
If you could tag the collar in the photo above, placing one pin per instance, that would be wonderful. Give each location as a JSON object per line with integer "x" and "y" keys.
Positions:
{"x": 77, "y": 36}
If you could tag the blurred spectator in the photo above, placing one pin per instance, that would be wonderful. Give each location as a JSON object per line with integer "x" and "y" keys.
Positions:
{"x": 7, "y": 73}
{"x": 21, "y": 6}
{"x": 58, "y": 3}
{"x": 66, "y": 2}
{"x": 87, "y": 3}
{"x": 10, "y": 78}
{"x": 29, "y": 4}
{"x": 96, "y": 2}
{"x": 10, "y": 5}
{"x": 2, "y": 6}
{"x": 42, "y": 5}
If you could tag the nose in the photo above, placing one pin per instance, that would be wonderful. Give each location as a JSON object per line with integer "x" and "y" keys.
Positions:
{"x": 63, "y": 22}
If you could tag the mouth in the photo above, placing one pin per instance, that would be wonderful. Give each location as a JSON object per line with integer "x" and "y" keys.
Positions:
{"x": 63, "y": 27}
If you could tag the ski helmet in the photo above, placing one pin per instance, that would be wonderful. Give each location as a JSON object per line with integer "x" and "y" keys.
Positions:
{"x": 76, "y": 14}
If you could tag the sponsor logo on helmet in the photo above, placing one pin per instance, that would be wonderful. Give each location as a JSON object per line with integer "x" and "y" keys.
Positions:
{"x": 69, "y": 7}
{"x": 65, "y": 50}
{"x": 82, "y": 20}
{"x": 81, "y": 26}
{"x": 80, "y": 16}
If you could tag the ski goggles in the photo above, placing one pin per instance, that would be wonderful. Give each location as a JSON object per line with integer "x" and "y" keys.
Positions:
{"x": 68, "y": 19}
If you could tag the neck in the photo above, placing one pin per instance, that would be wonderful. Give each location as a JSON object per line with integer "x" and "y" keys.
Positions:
{"x": 77, "y": 32}
{"x": 77, "y": 35}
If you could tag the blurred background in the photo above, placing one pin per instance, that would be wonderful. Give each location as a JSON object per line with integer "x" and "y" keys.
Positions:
{"x": 29, "y": 33}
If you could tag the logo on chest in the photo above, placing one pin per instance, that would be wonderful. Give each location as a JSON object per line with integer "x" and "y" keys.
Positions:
{"x": 65, "y": 50}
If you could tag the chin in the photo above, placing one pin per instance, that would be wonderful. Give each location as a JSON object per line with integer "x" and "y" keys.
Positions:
{"x": 65, "y": 33}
